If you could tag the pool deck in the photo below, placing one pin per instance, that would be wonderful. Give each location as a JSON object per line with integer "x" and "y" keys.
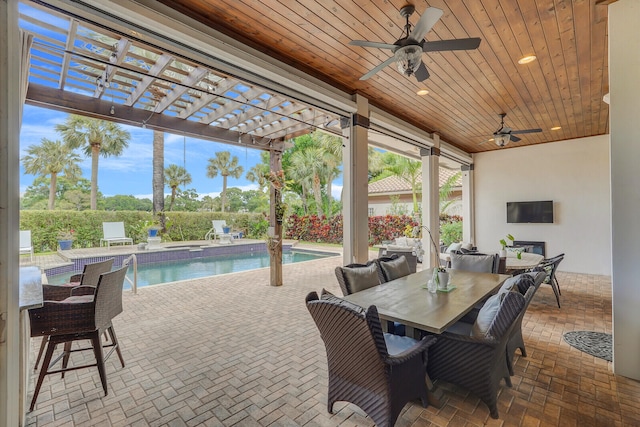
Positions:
{"x": 230, "y": 350}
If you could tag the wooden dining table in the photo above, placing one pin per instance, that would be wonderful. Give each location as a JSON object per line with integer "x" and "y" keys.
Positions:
{"x": 406, "y": 300}
{"x": 526, "y": 261}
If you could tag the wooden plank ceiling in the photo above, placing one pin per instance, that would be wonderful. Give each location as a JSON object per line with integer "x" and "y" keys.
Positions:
{"x": 467, "y": 89}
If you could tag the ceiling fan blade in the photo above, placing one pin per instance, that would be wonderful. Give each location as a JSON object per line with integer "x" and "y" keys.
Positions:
{"x": 422, "y": 73}
{"x": 515, "y": 138}
{"x": 454, "y": 44}
{"x": 426, "y": 21}
{"x": 526, "y": 131}
{"x": 378, "y": 68}
{"x": 379, "y": 45}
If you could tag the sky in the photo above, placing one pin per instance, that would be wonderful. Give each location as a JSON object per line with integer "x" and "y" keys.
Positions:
{"x": 131, "y": 173}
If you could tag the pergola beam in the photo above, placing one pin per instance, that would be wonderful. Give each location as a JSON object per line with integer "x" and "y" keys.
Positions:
{"x": 158, "y": 68}
{"x": 72, "y": 103}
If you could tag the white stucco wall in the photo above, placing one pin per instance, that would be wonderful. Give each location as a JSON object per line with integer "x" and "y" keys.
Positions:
{"x": 574, "y": 174}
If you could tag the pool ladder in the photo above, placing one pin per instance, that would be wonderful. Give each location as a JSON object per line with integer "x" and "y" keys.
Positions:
{"x": 134, "y": 282}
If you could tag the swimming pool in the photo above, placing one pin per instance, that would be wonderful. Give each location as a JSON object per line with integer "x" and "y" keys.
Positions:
{"x": 172, "y": 271}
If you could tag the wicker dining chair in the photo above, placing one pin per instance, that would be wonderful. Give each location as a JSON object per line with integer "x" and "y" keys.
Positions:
{"x": 480, "y": 263}
{"x": 89, "y": 278}
{"x": 477, "y": 362}
{"x": 550, "y": 267}
{"x": 80, "y": 317}
{"x": 378, "y": 372}
{"x": 516, "y": 340}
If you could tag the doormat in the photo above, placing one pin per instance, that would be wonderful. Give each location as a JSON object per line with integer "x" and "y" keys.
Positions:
{"x": 597, "y": 344}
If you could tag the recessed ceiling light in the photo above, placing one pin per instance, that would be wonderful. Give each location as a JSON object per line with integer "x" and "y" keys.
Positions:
{"x": 556, "y": 128}
{"x": 526, "y": 59}
{"x": 422, "y": 92}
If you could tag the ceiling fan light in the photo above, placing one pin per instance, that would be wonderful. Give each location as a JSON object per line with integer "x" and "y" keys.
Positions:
{"x": 502, "y": 139}
{"x": 408, "y": 59}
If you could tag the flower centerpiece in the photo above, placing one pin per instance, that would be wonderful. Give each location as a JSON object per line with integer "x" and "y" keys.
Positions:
{"x": 65, "y": 239}
{"x": 441, "y": 278}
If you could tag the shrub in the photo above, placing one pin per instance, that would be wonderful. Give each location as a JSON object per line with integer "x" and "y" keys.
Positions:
{"x": 87, "y": 225}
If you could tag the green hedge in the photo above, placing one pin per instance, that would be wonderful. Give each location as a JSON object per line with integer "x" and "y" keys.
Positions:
{"x": 87, "y": 226}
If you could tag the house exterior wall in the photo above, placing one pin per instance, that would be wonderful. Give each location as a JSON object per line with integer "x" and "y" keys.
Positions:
{"x": 575, "y": 175}
{"x": 382, "y": 205}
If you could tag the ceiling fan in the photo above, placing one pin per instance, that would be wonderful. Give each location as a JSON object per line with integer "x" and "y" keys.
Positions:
{"x": 407, "y": 51}
{"x": 503, "y": 135}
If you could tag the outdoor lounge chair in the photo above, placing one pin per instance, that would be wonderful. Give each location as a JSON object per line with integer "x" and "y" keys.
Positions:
{"x": 77, "y": 318}
{"x": 26, "y": 247}
{"x": 113, "y": 232}
{"x": 378, "y": 372}
{"x": 217, "y": 226}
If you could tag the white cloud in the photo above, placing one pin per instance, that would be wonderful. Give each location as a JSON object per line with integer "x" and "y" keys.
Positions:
{"x": 336, "y": 191}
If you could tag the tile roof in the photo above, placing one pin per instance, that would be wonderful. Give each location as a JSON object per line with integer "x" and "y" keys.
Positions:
{"x": 394, "y": 184}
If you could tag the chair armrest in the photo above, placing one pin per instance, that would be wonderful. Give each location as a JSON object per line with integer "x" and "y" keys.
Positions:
{"x": 76, "y": 278}
{"x": 55, "y": 293}
{"x": 83, "y": 290}
{"x": 419, "y": 348}
{"x": 59, "y": 318}
{"x": 463, "y": 340}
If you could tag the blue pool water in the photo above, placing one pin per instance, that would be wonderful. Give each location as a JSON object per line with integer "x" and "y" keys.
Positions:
{"x": 171, "y": 271}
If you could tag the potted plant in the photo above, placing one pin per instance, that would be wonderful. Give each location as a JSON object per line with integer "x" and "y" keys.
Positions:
{"x": 65, "y": 239}
{"x": 503, "y": 243}
{"x": 152, "y": 227}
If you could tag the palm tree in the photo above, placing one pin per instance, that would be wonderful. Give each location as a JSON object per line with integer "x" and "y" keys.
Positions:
{"x": 309, "y": 164}
{"x": 175, "y": 176}
{"x": 51, "y": 158}
{"x": 95, "y": 137}
{"x": 408, "y": 170}
{"x": 332, "y": 146}
{"x": 226, "y": 166}
{"x": 257, "y": 174}
{"x": 158, "y": 180}
{"x": 445, "y": 191}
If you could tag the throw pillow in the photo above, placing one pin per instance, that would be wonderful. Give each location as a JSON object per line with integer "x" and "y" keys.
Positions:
{"x": 361, "y": 278}
{"x": 486, "y": 315}
{"x": 454, "y": 247}
{"x": 402, "y": 241}
{"x": 395, "y": 268}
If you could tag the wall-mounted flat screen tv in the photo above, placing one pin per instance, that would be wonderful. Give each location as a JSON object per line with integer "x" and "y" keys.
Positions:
{"x": 530, "y": 212}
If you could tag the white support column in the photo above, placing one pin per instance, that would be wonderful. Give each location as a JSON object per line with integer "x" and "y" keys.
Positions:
{"x": 9, "y": 213}
{"x": 624, "y": 69}
{"x": 431, "y": 201}
{"x": 355, "y": 208}
{"x": 468, "y": 209}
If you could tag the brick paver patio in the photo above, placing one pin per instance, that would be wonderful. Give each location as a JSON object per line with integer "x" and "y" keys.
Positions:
{"x": 232, "y": 350}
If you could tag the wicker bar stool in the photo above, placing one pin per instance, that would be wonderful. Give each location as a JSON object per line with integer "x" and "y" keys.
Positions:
{"x": 80, "y": 317}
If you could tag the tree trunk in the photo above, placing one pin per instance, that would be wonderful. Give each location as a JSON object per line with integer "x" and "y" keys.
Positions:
{"x": 223, "y": 196}
{"x": 317, "y": 192}
{"x": 95, "y": 154}
{"x": 329, "y": 197}
{"x": 173, "y": 197}
{"x": 158, "y": 174}
{"x": 52, "y": 191}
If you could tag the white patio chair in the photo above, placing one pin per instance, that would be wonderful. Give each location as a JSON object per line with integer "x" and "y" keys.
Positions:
{"x": 25, "y": 243}
{"x": 114, "y": 233}
{"x": 216, "y": 229}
